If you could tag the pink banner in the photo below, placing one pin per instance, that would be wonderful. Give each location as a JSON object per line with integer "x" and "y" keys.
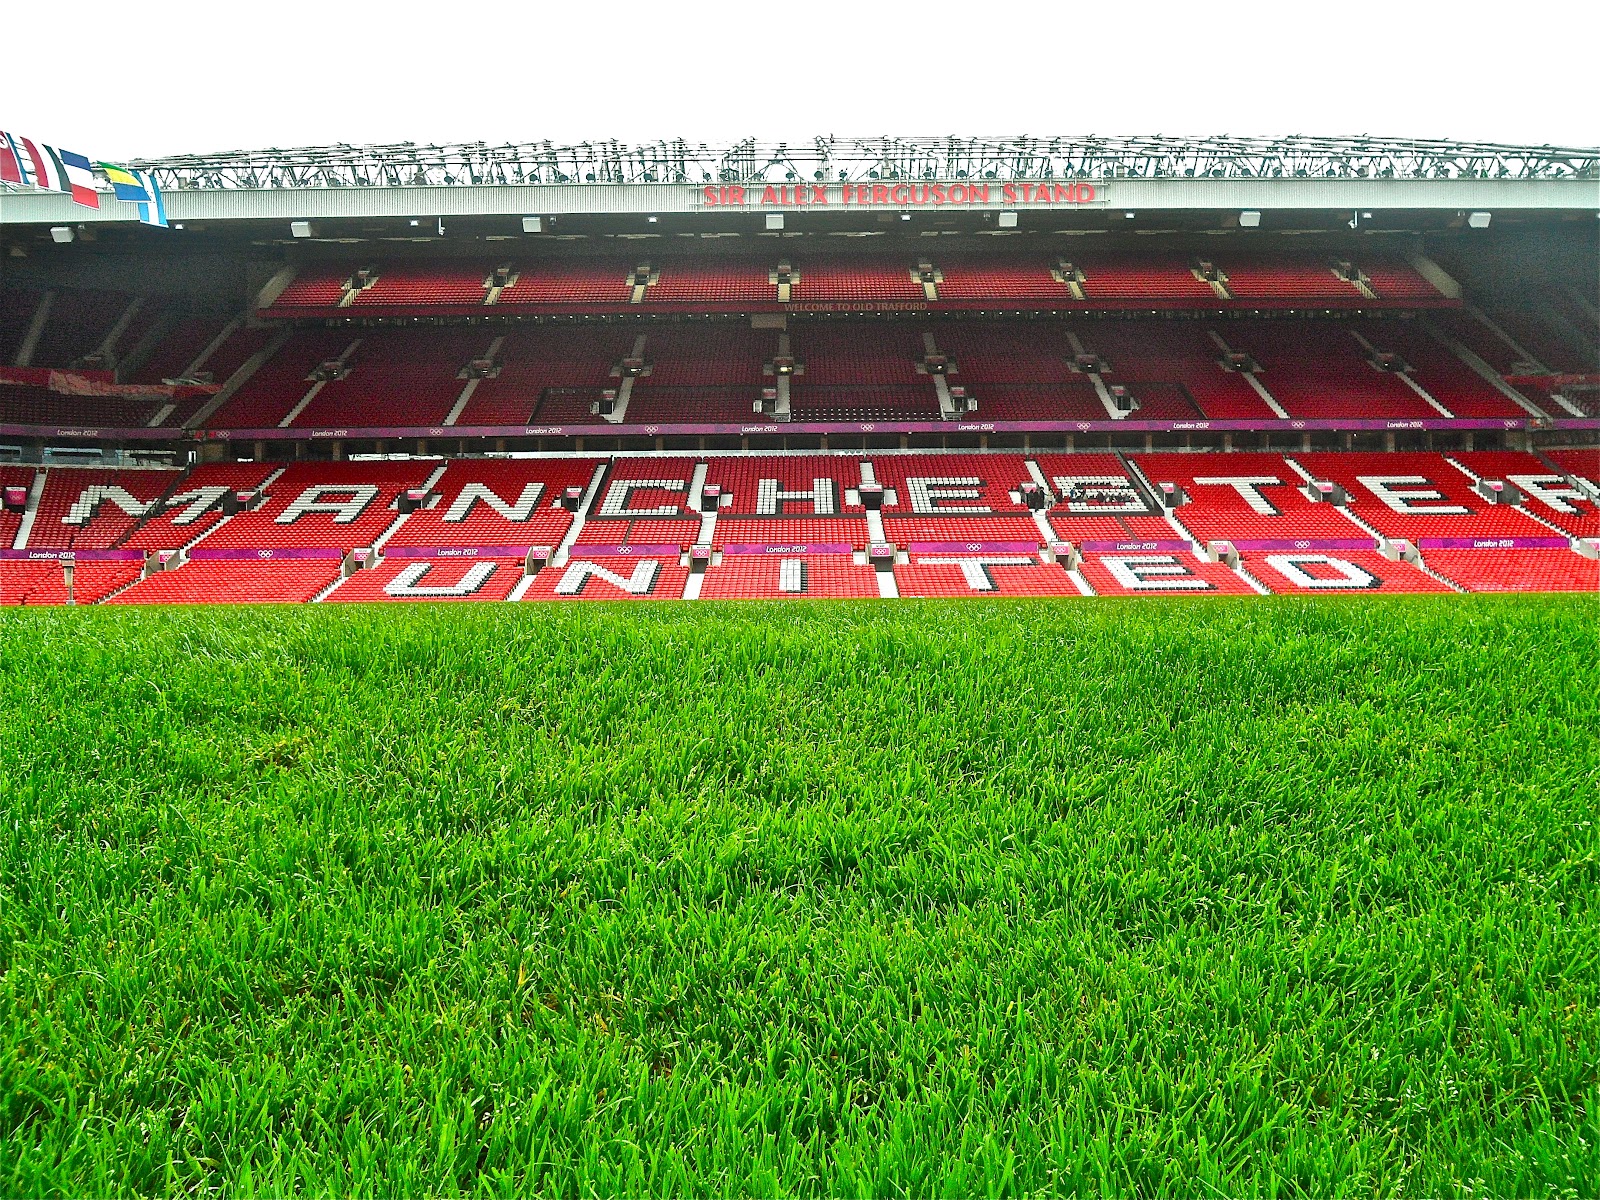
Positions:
{"x": 973, "y": 548}
{"x": 637, "y": 550}
{"x": 797, "y": 549}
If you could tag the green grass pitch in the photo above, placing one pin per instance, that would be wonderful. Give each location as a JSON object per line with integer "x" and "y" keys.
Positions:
{"x": 972, "y": 898}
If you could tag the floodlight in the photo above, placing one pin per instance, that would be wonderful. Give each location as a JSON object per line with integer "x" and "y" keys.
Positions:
{"x": 1249, "y": 219}
{"x": 61, "y": 233}
{"x": 774, "y": 220}
{"x": 532, "y": 225}
{"x": 1478, "y": 220}
{"x": 300, "y": 228}
{"x": 1008, "y": 220}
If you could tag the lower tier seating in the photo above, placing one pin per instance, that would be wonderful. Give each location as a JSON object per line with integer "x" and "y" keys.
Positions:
{"x": 933, "y": 575}
{"x": 1516, "y": 570}
{"x": 286, "y": 581}
{"x": 1161, "y": 574}
{"x": 1364, "y": 571}
{"x": 610, "y": 578}
{"x": 45, "y": 583}
{"x": 431, "y": 579}
{"x": 781, "y": 577}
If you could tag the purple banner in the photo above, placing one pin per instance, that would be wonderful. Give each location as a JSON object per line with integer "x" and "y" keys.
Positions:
{"x": 1493, "y": 543}
{"x": 973, "y": 548}
{"x": 637, "y": 550}
{"x": 462, "y": 551}
{"x": 1155, "y": 546}
{"x": 1252, "y": 544}
{"x": 202, "y": 554}
{"x": 45, "y": 555}
{"x": 1198, "y": 425}
{"x": 98, "y": 433}
{"x": 1201, "y": 424}
{"x": 808, "y": 548}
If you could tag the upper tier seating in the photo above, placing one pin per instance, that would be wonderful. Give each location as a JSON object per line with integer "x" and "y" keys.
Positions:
{"x": 732, "y": 281}
{"x": 79, "y": 320}
{"x": 410, "y": 580}
{"x": 93, "y": 508}
{"x": 835, "y": 279}
{"x": 25, "y": 405}
{"x": 1111, "y": 276}
{"x": 401, "y": 284}
{"x": 17, "y": 306}
{"x": 580, "y": 284}
{"x": 1414, "y": 496}
{"x": 533, "y": 360}
{"x": 397, "y": 377}
{"x": 1321, "y": 371}
{"x": 226, "y": 581}
{"x": 972, "y": 277}
{"x": 318, "y": 285}
{"x": 341, "y": 505}
{"x": 1447, "y": 379}
{"x": 701, "y": 373}
{"x": 860, "y": 373}
{"x": 966, "y": 277}
{"x": 281, "y": 382}
{"x": 1177, "y": 351}
{"x": 490, "y": 502}
{"x": 180, "y": 346}
{"x": 1299, "y": 279}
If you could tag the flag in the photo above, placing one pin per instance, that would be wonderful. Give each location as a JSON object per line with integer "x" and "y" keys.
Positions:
{"x": 10, "y": 164}
{"x": 33, "y": 162}
{"x": 153, "y": 212}
{"x": 124, "y": 183}
{"x": 79, "y": 176}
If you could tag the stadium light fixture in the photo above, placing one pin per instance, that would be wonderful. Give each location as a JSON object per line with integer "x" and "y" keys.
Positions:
{"x": 774, "y": 220}
{"x": 1128, "y": 215}
{"x": 300, "y": 229}
{"x": 905, "y": 216}
{"x": 415, "y": 222}
{"x": 1249, "y": 219}
{"x": 532, "y": 225}
{"x": 651, "y": 219}
{"x": 1478, "y": 220}
{"x": 61, "y": 233}
{"x": 1008, "y": 220}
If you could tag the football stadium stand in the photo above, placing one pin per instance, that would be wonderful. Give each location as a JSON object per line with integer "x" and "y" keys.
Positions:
{"x": 711, "y": 375}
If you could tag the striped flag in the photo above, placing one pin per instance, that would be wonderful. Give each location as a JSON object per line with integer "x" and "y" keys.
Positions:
{"x": 124, "y": 183}
{"x": 10, "y": 164}
{"x": 79, "y": 175}
{"x": 50, "y": 169}
{"x": 32, "y": 161}
{"x": 153, "y": 211}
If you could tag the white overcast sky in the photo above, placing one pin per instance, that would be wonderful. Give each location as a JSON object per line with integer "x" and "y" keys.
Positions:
{"x": 187, "y": 77}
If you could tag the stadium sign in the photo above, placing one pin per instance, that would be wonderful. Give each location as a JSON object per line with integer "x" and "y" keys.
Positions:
{"x": 896, "y": 195}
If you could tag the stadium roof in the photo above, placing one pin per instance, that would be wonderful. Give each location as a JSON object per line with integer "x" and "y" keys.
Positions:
{"x": 829, "y": 159}
{"x": 851, "y": 177}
